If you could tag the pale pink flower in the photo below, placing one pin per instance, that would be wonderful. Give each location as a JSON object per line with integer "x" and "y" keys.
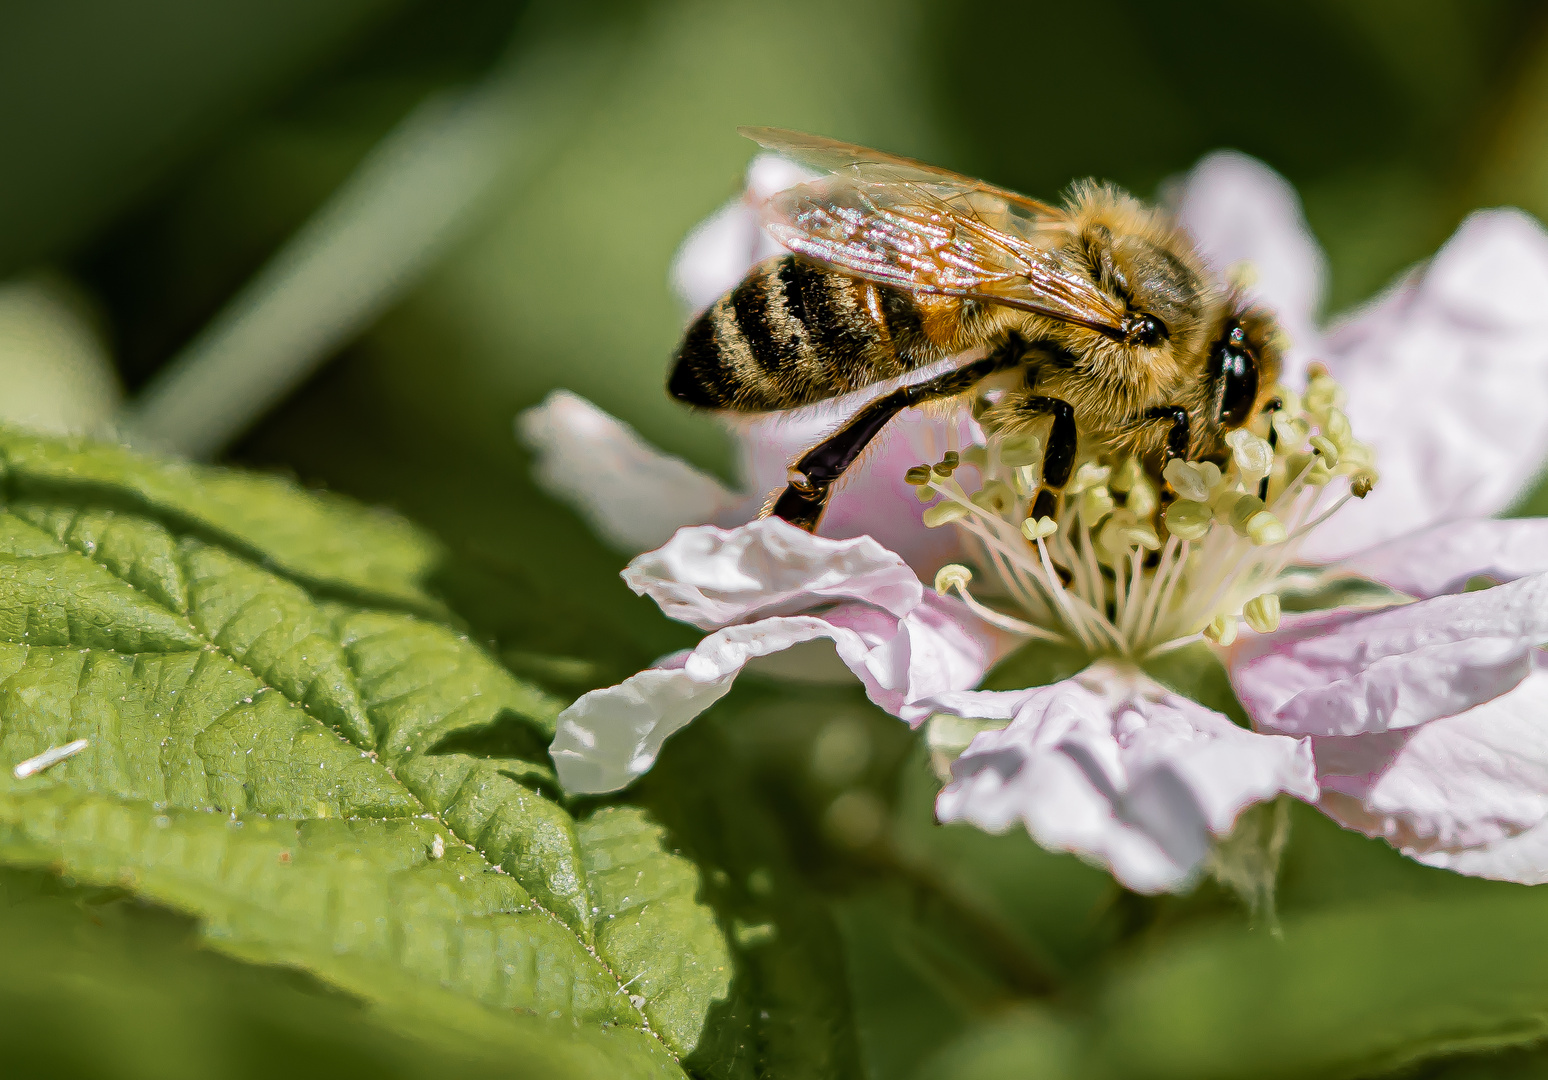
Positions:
{"x": 1408, "y": 718}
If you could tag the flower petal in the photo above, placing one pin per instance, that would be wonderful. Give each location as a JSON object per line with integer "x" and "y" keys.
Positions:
{"x": 1239, "y": 211}
{"x": 1349, "y": 672}
{"x": 610, "y": 736}
{"x": 730, "y": 242}
{"x": 1470, "y": 781}
{"x": 631, "y": 494}
{"x": 1447, "y": 377}
{"x": 711, "y": 577}
{"x": 1119, "y": 771}
{"x": 1445, "y": 557}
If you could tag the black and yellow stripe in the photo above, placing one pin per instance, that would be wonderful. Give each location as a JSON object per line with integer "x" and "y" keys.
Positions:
{"x": 793, "y": 333}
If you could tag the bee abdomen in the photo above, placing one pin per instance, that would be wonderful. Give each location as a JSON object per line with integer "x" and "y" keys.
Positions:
{"x": 790, "y": 334}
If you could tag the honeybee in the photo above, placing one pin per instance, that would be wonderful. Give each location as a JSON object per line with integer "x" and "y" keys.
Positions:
{"x": 1097, "y": 318}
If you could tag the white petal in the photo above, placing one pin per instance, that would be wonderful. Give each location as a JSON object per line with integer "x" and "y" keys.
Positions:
{"x": 710, "y": 577}
{"x": 725, "y": 246}
{"x": 1521, "y": 858}
{"x": 610, "y": 736}
{"x": 1451, "y": 787}
{"x": 1240, "y": 211}
{"x": 1119, "y": 771}
{"x": 631, "y": 494}
{"x": 1350, "y": 672}
{"x": 1445, "y": 557}
{"x": 1447, "y": 377}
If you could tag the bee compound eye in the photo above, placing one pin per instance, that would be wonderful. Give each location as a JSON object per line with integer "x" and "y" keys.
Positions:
{"x": 1146, "y": 330}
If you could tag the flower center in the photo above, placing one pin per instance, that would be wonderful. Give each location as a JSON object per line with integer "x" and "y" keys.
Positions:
{"x": 1130, "y": 563}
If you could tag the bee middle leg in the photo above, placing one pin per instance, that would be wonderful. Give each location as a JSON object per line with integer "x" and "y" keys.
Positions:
{"x": 812, "y": 476}
{"x": 1179, "y": 436}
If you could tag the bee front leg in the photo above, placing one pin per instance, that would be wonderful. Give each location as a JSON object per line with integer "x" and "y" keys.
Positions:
{"x": 813, "y": 475}
{"x": 1180, "y": 435}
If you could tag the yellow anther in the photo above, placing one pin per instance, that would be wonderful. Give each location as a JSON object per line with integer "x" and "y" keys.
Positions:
{"x": 1239, "y": 510}
{"x": 1128, "y": 474}
{"x": 1089, "y": 475}
{"x": 1187, "y": 479}
{"x": 1289, "y": 399}
{"x": 1221, "y": 629}
{"x": 1292, "y": 429}
{"x": 1264, "y": 528}
{"x": 1024, "y": 480}
{"x": 1336, "y": 427}
{"x": 1039, "y": 529}
{"x": 1254, "y": 457}
{"x": 976, "y": 455}
{"x": 1095, "y": 504}
{"x": 1019, "y": 450}
{"x": 1261, "y": 613}
{"x": 926, "y": 494}
{"x": 918, "y": 475}
{"x": 1322, "y": 394}
{"x": 1188, "y": 520}
{"x": 1361, "y": 483}
{"x": 944, "y": 514}
{"x": 1326, "y": 448}
{"x": 952, "y": 576}
{"x": 996, "y": 497}
{"x": 1143, "y": 498}
{"x": 947, "y": 465}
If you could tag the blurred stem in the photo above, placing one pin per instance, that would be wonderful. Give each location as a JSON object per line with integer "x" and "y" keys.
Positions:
{"x": 1015, "y": 960}
{"x": 414, "y": 196}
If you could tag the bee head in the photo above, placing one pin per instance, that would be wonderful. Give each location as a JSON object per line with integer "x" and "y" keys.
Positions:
{"x": 1243, "y": 360}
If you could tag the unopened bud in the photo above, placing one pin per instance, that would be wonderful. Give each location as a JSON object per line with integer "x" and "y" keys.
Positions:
{"x": 1188, "y": 520}
{"x": 1261, "y": 613}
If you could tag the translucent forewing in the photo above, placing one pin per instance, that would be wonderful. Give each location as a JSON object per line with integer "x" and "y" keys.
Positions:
{"x": 902, "y": 223}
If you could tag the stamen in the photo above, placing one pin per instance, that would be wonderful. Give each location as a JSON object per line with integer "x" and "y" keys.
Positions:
{"x": 1079, "y": 563}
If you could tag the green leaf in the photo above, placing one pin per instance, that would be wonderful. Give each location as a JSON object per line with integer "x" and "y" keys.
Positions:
{"x": 96, "y": 984}
{"x": 274, "y": 755}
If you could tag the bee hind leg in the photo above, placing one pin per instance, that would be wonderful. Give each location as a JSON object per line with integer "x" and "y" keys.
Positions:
{"x": 813, "y": 475}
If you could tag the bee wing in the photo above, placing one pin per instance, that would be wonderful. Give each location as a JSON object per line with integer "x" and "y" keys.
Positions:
{"x": 899, "y": 222}
{"x": 831, "y": 156}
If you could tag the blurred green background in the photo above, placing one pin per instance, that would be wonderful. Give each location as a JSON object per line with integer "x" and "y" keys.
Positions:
{"x": 172, "y": 165}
